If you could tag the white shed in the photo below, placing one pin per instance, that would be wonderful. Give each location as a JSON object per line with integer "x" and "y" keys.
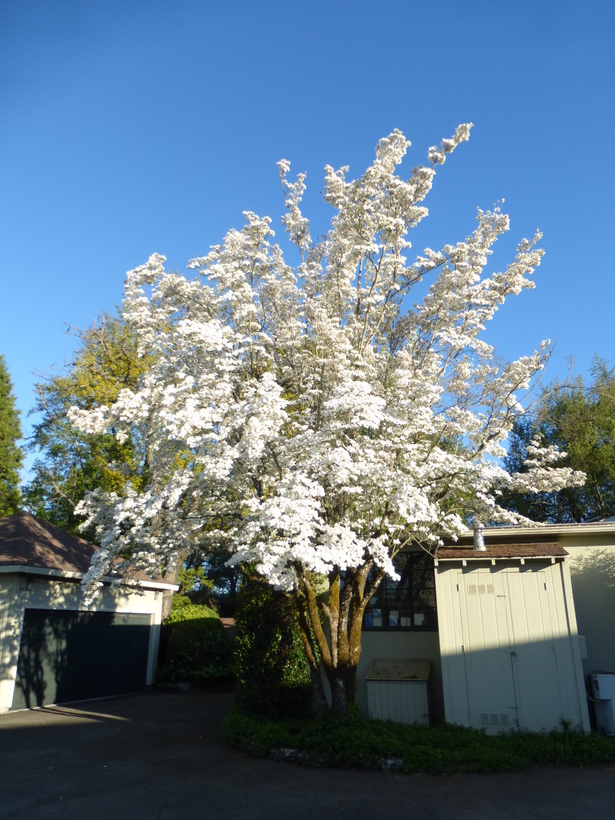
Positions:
{"x": 53, "y": 647}
{"x": 397, "y": 690}
{"x": 508, "y": 638}
{"x": 591, "y": 559}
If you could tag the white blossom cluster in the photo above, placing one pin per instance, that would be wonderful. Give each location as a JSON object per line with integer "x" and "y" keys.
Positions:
{"x": 312, "y": 415}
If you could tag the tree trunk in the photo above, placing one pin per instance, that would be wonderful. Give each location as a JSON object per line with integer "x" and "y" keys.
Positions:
{"x": 340, "y": 649}
{"x": 170, "y": 575}
{"x": 167, "y": 603}
{"x": 338, "y": 693}
{"x": 319, "y": 699}
{"x": 350, "y": 685}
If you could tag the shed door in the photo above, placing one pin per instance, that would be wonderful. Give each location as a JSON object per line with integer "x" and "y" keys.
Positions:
{"x": 66, "y": 656}
{"x": 543, "y": 664}
{"x": 487, "y": 651}
{"x": 517, "y": 656}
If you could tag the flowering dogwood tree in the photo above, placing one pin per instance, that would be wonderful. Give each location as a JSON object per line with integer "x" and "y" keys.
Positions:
{"x": 311, "y": 415}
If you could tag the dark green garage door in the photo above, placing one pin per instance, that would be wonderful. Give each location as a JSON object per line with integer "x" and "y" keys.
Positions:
{"x": 67, "y": 656}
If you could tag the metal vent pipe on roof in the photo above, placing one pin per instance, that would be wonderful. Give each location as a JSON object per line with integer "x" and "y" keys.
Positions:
{"x": 479, "y": 539}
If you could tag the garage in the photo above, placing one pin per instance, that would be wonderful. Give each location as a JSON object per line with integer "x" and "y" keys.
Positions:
{"x": 54, "y": 646}
{"x": 68, "y": 656}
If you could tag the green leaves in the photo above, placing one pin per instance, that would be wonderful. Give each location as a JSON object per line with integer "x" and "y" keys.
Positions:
{"x": 580, "y": 420}
{"x": 273, "y": 677}
{"x": 193, "y": 647}
{"x": 354, "y": 740}
{"x": 70, "y": 462}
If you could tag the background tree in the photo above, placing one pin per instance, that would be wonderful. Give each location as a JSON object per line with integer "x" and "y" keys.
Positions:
{"x": 11, "y": 455}
{"x": 222, "y": 581}
{"x": 71, "y": 463}
{"x": 579, "y": 419}
{"x": 313, "y": 417}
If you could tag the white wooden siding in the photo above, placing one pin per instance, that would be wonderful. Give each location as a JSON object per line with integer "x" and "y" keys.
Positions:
{"x": 509, "y": 648}
{"x": 401, "y": 701}
{"x": 11, "y": 622}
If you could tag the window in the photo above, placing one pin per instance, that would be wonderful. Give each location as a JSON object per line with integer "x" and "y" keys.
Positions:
{"x": 409, "y": 603}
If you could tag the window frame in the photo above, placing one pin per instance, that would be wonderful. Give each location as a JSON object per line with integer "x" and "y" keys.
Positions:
{"x": 417, "y": 572}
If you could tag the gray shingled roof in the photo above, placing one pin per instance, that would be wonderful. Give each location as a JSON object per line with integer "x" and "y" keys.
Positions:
{"x": 549, "y": 550}
{"x": 30, "y": 542}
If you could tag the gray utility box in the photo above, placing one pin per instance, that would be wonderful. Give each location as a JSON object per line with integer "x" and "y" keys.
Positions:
{"x": 397, "y": 689}
{"x": 603, "y": 685}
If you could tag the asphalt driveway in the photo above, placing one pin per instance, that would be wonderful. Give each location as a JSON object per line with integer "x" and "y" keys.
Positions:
{"x": 159, "y": 756}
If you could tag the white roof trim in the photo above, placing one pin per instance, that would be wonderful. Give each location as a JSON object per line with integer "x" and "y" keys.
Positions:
{"x": 548, "y": 529}
{"x": 493, "y": 558}
{"x": 77, "y": 576}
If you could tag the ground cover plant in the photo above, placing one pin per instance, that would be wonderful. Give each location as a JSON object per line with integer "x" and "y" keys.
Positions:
{"x": 352, "y": 740}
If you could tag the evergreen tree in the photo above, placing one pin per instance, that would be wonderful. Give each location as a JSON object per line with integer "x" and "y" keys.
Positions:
{"x": 11, "y": 456}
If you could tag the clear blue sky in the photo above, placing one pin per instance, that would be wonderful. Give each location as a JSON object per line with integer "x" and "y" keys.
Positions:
{"x": 137, "y": 126}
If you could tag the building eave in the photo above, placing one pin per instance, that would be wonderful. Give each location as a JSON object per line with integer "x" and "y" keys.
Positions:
{"x": 21, "y": 569}
{"x": 590, "y": 528}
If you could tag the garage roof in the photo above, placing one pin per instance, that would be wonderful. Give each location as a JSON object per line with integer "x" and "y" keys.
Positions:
{"x": 30, "y": 542}
{"x": 37, "y": 545}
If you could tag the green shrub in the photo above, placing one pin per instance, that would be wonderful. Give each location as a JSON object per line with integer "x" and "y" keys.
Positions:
{"x": 273, "y": 676}
{"x": 180, "y": 602}
{"x": 193, "y": 647}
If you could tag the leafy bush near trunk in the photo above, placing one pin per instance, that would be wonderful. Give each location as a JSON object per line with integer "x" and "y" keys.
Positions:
{"x": 273, "y": 677}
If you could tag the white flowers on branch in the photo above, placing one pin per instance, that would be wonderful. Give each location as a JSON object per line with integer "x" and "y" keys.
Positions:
{"x": 313, "y": 415}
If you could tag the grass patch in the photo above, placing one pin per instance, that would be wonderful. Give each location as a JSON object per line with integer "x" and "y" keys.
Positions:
{"x": 356, "y": 741}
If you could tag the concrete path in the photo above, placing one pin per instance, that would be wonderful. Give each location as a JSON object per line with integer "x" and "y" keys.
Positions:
{"x": 159, "y": 757}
